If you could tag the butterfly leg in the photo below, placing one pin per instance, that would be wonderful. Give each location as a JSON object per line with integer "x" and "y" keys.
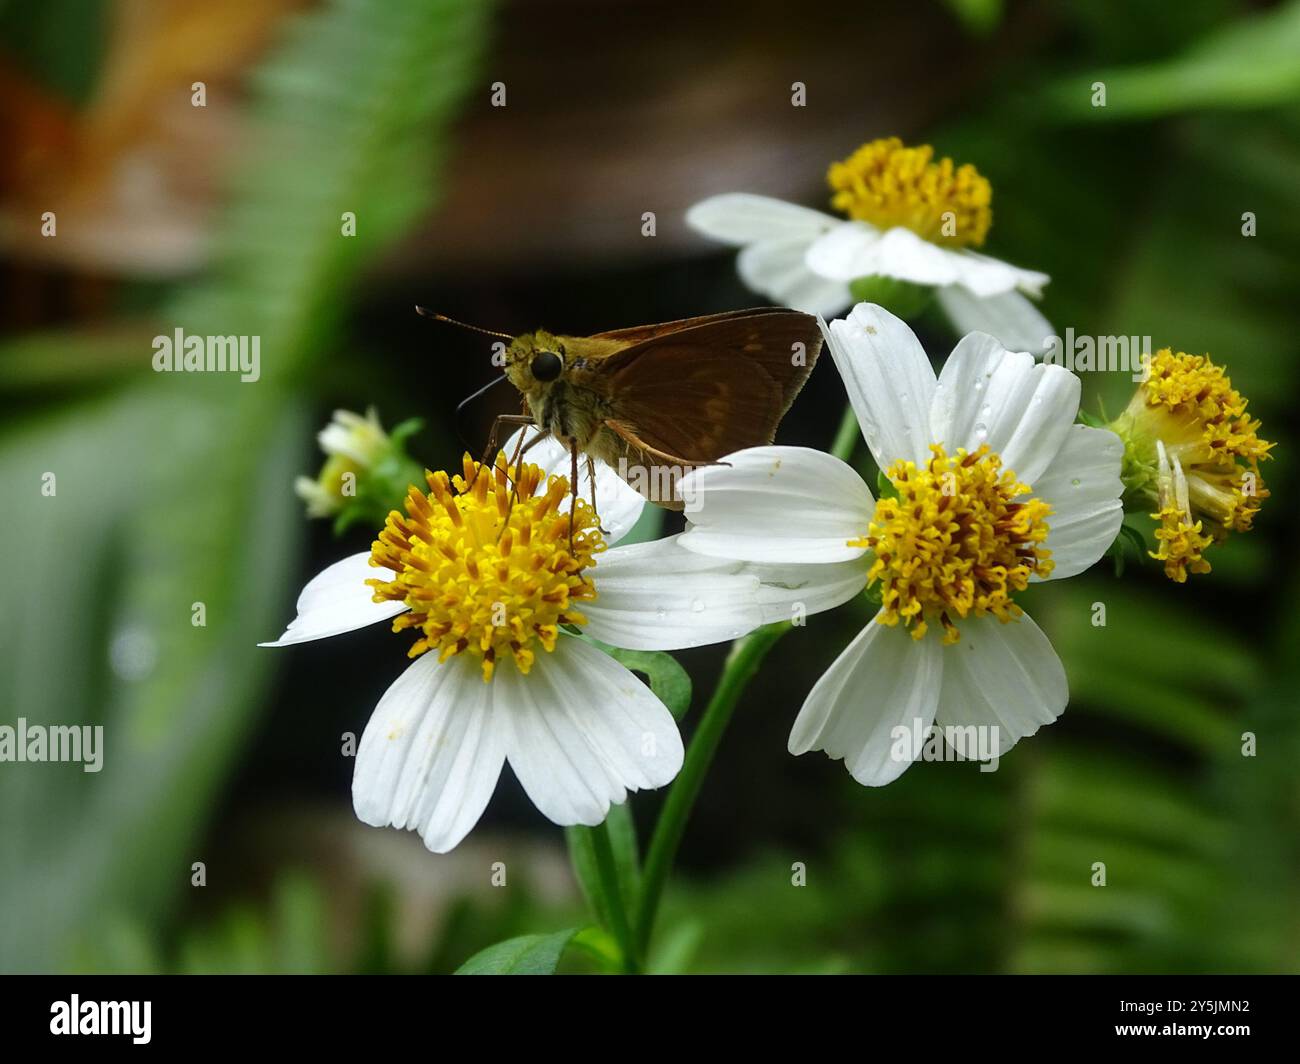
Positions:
{"x": 517, "y": 460}
{"x": 494, "y": 433}
{"x": 591, "y": 476}
{"x": 573, "y": 488}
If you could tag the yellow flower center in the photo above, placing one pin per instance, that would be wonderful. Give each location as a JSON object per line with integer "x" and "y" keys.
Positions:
{"x": 1188, "y": 406}
{"x": 490, "y": 569}
{"x": 1193, "y": 386}
{"x": 954, "y": 542}
{"x": 888, "y": 184}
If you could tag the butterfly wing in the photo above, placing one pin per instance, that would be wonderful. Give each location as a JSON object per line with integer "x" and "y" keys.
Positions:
{"x": 700, "y": 389}
{"x": 640, "y": 333}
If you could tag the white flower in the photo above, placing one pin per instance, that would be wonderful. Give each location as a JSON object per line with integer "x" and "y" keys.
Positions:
{"x": 498, "y": 678}
{"x": 993, "y": 486}
{"x": 361, "y": 439}
{"x": 352, "y": 444}
{"x": 912, "y": 220}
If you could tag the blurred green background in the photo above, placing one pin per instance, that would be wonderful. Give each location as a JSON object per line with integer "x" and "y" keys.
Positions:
{"x": 225, "y": 219}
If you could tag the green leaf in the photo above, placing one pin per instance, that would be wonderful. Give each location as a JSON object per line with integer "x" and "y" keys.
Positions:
{"x": 979, "y": 17}
{"x": 190, "y": 520}
{"x": 176, "y": 490}
{"x": 668, "y": 680}
{"x": 885, "y": 487}
{"x": 404, "y": 430}
{"x": 525, "y": 955}
{"x": 677, "y": 948}
{"x": 1129, "y": 541}
{"x": 901, "y": 298}
{"x": 282, "y": 269}
{"x": 599, "y": 944}
{"x": 73, "y": 358}
{"x": 1247, "y": 63}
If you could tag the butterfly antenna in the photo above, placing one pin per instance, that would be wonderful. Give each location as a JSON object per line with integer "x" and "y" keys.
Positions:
{"x": 425, "y": 312}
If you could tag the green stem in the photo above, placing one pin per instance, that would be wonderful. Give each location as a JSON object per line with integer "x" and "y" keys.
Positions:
{"x": 847, "y": 435}
{"x": 610, "y": 887}
{"x": 741, "y": 665}
{"x": 743, "y": 661}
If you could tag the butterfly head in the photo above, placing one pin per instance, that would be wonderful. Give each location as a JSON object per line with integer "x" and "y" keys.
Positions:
{"x": 535, "y": 361}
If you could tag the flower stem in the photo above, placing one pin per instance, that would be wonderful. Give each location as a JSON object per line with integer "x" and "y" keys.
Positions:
{"x": 846, "y": 436}
{"x": 610, "y": 887}
{"x": 743, "y": 661}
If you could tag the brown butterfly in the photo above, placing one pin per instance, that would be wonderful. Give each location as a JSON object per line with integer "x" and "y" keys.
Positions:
{"x": 656, "y": 401}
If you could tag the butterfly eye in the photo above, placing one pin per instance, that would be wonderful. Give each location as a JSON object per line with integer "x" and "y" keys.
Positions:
{"x": 546, "y": 365}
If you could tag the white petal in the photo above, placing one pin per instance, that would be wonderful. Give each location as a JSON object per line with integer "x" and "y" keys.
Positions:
{"x": 889, "y": 381}
{"x": 743, "y": 218}
{"x": 660, "y": 596}
{"x": 776, "y": 504}
{"x": 856, "y": 249}
{"x": 883, "y": 681}
{"x": 1083, "y": 487}
{"x": 583, "y": 732}
{"x": 617, "y": 502}
{"x": 775, "y": 268}
{"x": 793, "y": 592}
{"x": 961, "y": 411}
{"x": 431, "y": 753}
{"x": 1002, "y": 675}
{"x": 1012, "y": 318}
{"x": 338, "y": 600}
{"x": 1046, "y": 421}
{"x": 1021, "y": 409}
{"x": 984, "y": 276}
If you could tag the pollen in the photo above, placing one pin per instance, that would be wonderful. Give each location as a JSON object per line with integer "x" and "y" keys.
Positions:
{"x": 957, "y": 540}
{"x": 488, "y": 563}
{"x": 1192, "y": 386}
{"x": 1182, "y": 543}
{"x": 888, "y": 184}
{"x": 1192, "y": 449}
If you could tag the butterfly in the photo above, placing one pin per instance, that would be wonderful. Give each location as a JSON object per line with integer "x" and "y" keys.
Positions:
{"x": 656, "y": 401}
